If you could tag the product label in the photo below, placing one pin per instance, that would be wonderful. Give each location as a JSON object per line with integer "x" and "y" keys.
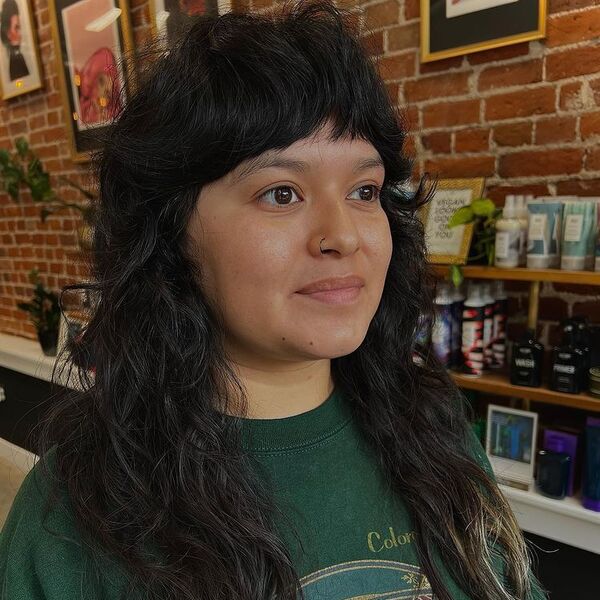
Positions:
{"x": 569, "y": 369}
{"x": 573, "y": 228}
{"x": 525, "y": 362}
{"x": 502, "y": 244}
{"x": 537, "y": 226}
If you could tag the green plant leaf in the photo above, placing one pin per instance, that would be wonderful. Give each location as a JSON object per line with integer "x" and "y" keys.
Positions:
{"x": 456, "y": 275}
{"x": 461, "y": 216}
{"x": 22, "y": 146}
{"x": 483, "y": 207}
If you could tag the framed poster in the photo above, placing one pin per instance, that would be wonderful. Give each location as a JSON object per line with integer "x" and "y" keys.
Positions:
{"x": 90, "y": 38}
{"x": 20, "y": 64}
{"x": 170, "y": 18}
{"x": 457, "y": 27}
{"x": 511, "y": 444}
{"x": 449, "y": 245}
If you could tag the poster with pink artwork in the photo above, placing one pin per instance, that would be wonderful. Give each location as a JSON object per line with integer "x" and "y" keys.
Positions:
{"x": 92, "y": 37}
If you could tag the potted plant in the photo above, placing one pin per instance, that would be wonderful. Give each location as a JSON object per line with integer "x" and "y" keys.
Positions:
{"x": 44, "y": 312}
{"x": 25, "y": 168}
{"x": 483, "y": 213}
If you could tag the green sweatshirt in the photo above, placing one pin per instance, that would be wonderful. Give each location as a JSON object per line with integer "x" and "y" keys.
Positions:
{"x": 358, "y": 538}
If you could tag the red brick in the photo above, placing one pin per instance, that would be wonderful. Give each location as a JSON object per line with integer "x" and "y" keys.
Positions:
{"x": 498, "y": 54}
{"x": 508, "y": 75}
{"x": 541, "y": 162}
{"x": 592, "y": 159}
{"x": 397, "y": 66}
{"x": 555, "y": 6}
{"x": 570, "y": 63}
{"x": 403, "y": 37}
{"x": 382, "y": 14}
{"x": 499, "y": 193}
{"x": 472, "y": 140}
{"x": 437, "y": 86}
{"x": 570, "y": 96}
{"x": 412, "y": 9}
{"x": 589, "y": 308}
{"x": 438, "y": 66}
{"x": 572, "y": 27}
{"x": 555, "y": 129}
{"x": 393, "y": 91}
{"x": 578, "y": 187}
{"x": 373, "y": 43}
{"x": 464, "y": 166}
{"x": 513, "y": 134}
{"x": 589, "y": 125}
{"x": 447, "y": 114}
{"x": 552, "y": 308}
{"x": 437, "y": 141}
{"x": 519, "y": 104}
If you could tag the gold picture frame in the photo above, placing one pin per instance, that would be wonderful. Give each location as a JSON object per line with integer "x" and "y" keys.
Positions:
{"x": 90, "y": 41}
{"x": 444, "y": 245}
{"x": 465, "y": 26}
{"x": 20, "y": 73}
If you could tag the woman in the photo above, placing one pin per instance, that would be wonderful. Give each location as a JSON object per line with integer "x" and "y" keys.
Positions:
{"x": 250, "y": 434}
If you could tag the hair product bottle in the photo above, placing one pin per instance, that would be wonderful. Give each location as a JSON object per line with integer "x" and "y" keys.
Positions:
{"x": 441, "y": 333}
{"x": 488, "y": 324}
{"x": 499, "y": 327}
{"x": 567, "y": 362}
{"x": 508, "y": 235}
{"x": 456, "y": 309}
{"x": 472, "y": 331}
{"x": 523, "y": 216}
{"x": 526, "y": 361}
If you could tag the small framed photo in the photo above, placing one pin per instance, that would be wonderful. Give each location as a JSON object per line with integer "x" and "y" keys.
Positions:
{"x": 511, "y": 445}
{"x": 90, "y": 39}
{"x": 20, "y": 64}
{"x": 171, "y": 18}
{"x": 447, "y": 245}
{"x": 457, "y": 27}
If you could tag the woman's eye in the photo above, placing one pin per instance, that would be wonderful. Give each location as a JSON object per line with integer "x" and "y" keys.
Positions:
{"x": 370, "y": 196}
{"x": 283, "y": 195}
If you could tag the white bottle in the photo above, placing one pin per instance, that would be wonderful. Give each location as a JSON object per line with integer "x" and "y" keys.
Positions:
{"x": 523, "y": 216}
{"x": 488, "y": 324}
{"x": 508, "y": 235}
{"x": 472, "y": 332}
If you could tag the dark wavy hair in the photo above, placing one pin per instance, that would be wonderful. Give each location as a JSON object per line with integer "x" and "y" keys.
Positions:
{"x": 152, "y": 464}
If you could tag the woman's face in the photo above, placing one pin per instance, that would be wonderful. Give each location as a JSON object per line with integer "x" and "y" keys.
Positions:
{"x": 258, "y": 248}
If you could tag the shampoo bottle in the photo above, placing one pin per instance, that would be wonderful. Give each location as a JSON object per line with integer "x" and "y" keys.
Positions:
{"x": 472, "y": 331}
{"x": 508, "y": 235}
{"x": 526, "y": 361}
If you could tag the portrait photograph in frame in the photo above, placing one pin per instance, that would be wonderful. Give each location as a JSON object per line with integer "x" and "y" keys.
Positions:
{"x": 20, "y": 64}
{"x": 445, "y": 245}
{"x": 171, "y": 18}
{"x": 458, "y": 27}
{"x": 90, "y": 38}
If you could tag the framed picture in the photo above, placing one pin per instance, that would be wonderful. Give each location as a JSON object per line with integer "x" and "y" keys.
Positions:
{"x": 511, "y": 444}
{"x": 20, "y": 64}
{"x": 170, "y": 18}
{"x": 90, "y": 38}
{"x": 456, "y": 27}
{"x": 446, "y": 245}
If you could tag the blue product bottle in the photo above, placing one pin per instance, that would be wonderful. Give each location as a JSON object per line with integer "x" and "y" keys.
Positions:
{"x": 441, "y": 332}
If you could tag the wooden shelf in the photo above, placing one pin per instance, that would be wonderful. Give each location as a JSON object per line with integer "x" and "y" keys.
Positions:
{"x": 496, "y": 383}
{"x": 523, "y": 274}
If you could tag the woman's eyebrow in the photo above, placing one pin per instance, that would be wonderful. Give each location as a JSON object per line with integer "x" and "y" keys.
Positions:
{"x": 266, "y": 161}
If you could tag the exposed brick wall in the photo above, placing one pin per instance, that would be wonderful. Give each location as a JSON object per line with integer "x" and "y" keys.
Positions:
{"x": 526, "y": 117}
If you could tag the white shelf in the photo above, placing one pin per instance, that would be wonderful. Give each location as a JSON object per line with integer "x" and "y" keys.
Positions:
{"x": 566, "y": 520}
{"x": 26, "y": 356}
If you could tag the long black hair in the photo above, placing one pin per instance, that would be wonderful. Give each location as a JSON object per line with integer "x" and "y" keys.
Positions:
{"x": 152, "y": 466}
